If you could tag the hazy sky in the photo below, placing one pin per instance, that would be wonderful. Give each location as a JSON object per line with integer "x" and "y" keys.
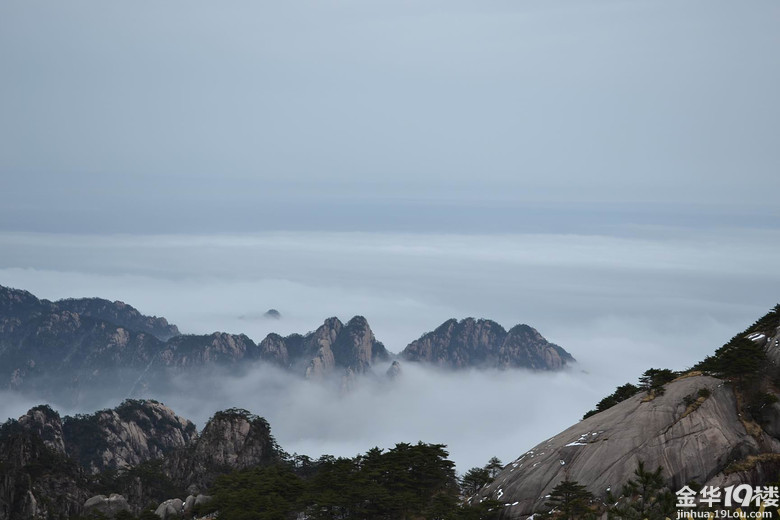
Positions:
{"x": 444, "y": 115}
{"x": 603, "y": 170}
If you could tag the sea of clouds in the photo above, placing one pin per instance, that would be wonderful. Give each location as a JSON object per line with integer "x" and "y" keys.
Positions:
{"x": 620, "y": 305}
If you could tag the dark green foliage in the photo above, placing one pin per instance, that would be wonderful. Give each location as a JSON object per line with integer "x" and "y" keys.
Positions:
{"x": 84, "y": 430}
{"x": 654, "y": 379}
{"x": 95, "y": 515}
{"x": 150, "y": 476}
{"x": 741, "y": 357}
{"x": 569, "y": 500}
{"x": 474, "y": 479}
{"x": 758, "y": 401}
{"x": 494, "y": 467}
{"x": 27, "y": 464}
{"x": 703, "y": 392}
{"x": 407, "y": 481}
{"x": 768, "y": 323}
{"x": 738, "y": 358}
{"x": 648, "y": 496}
{"x": 267, "y": 493}
{"x": 620, "y": 394}
{"x": 485, "y": 510}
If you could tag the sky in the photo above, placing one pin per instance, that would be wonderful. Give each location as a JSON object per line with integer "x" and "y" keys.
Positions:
{"x": 603, "y": 170}
{"x": 451, "y": 116}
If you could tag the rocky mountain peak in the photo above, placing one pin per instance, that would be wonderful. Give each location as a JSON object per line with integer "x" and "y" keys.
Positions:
{"x": 46, "y": 424}
{"x": 524, "y": 347}
{"x": 235, "y": 438}
{"x": 232, "y": 439}
{"x": 394, "y": 370}
{"x": 351, "y": 347}
{"x": 18, "y": 301}
{"x": 197, "y": 350}
{"x": 132, "y": 433}
{"x": 484, "y": 343}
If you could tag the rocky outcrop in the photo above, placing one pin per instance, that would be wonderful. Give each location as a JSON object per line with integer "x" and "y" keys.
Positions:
{"x": 486, "y": 344}
{"x": 333, "y": 348}
{"x": 134, "y": 432}
{"x": 195, "y": 500}
{"x": 278, "y": 350}
{"x": 199, "y": 350}
{"x": 272, "y": 314}
{"x": 46, "y": 424}
{"x": 108, "y": 506}
{"x": 232, "y": 439}
{"x": 696, "y": 429}
{"x": 524, "y": 347}
{"x": 394, "y": 371}
{"x": 140, "y": 451}
{"x": 26, "y": 491}
{"x": 170, "y": 508}
{"x": 351, "y": 348}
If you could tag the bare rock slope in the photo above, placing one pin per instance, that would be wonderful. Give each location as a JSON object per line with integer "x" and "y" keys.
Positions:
{"x": 696, "y": 430}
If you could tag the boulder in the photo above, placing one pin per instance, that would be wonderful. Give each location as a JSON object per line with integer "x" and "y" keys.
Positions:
{"x": 107, "y": 505}
{"x": 169, "y": 508}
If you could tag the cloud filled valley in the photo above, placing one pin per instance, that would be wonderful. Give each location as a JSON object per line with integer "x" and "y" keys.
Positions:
{"x": 578, "y": 291}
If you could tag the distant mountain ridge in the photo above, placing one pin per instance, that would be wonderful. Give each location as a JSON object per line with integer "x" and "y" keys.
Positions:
{"x": 17, "y": 305}
{"x": 69, "y": 347}
{"x": 485, "y": 343}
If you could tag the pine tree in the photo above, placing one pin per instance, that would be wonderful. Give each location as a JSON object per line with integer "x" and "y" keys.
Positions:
{"x": 494, "y": 467}
{"x": 474, "y": 479}
{"x": 569, "y": 499}
{"x": 650, "y": 499}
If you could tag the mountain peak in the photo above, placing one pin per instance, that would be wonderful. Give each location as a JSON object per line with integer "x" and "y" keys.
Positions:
{"x": 484, "y": 343}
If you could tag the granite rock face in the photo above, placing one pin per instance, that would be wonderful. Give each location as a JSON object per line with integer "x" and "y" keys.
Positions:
{"x": 170, "y": 508}
{"x": 199, "y": 350}
{"x": 334, "y": 348}
{"x": 132, "y": 433}
{"x": 29, "y": 493}
{"x": 56, "y": 349}
{"x": 106, "y": 505}
{"x": 694, "y": 430}
{"x": 46, "y": 424}
{"x": 232, "y": 439}
{"x": 486, "y": 344}
{"x": 81, "y": 452}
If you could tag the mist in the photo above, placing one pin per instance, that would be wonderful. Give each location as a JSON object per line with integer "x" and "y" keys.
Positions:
{"x": 620, "y": 305}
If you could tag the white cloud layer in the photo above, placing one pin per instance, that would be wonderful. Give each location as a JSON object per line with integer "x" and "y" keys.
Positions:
{"x": 620, "y": 305}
